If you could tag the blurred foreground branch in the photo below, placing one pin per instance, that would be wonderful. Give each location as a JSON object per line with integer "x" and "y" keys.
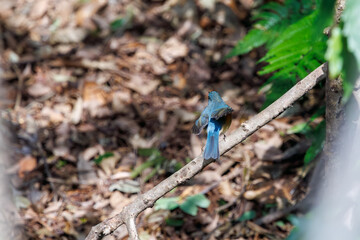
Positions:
{"x": 131, "y": 211}
{"x": 334, "y": 114}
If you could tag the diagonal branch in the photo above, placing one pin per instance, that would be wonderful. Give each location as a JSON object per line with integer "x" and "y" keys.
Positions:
{"x": 146, "y": 200}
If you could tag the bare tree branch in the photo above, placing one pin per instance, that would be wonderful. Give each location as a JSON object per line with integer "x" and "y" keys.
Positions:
{"x": 131, "y": 211}
{"x": 131, "y": 227}
{"x": 339, "y": 8}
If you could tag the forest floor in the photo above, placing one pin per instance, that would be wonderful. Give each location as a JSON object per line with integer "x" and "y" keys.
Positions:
{"x": 100, "y": 97}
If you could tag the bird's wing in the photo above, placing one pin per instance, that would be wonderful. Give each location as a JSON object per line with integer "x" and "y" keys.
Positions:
{"x": 221, "y": 111}
{"x": 200, "y": 123}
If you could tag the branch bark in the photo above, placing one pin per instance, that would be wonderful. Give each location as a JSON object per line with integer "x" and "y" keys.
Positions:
{"x": 334, "y": 114}
{"x": 146, "y": 200}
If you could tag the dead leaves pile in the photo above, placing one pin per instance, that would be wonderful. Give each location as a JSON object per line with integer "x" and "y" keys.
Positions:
{"x": 89, "y": 83}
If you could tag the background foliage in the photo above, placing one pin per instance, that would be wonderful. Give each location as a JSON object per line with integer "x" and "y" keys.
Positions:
{"x": 293, "y": 35}
{"x": 294, "y": 46}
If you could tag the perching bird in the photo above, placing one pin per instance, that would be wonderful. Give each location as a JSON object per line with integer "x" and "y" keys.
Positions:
{"x": 216, "y": 116}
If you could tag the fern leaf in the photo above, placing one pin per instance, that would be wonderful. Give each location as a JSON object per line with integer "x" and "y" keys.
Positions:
{"x": 280, "y": 64}
{"x": 299, "y": 29}
{"x": 288, "y": 31}
{"x": 312, "y": 64}
{"x": 293, "y": 46}
{"x": 269, "y": 21}
{"x": 255, "y": 38}
{"x": 301, "y": 71}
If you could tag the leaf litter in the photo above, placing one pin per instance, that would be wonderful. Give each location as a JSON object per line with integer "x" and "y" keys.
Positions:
{"x": 102, "y": 80}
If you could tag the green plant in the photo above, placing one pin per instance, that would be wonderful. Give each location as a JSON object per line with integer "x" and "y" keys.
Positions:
{"x": 343, "y": 51}
{"x": 174, "y": 222}
{"x": 101, "y": 157}
{"x": 270, "y": 20}
{"x": 317, "y": 137}
{"x": 294, "y": 45}
{"x": 297, "y": 232}
{"x": 122, "y": 23}
{"x": 155, "y": 160}
{"x": 315, "y": 134}
{"x": 343, "y": 55}
{"x": 248, "y": 215}
{"x": 60, "y": 163}
{"x": 189, "y": 205}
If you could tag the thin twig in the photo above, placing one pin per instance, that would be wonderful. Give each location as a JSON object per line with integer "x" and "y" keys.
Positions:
{"x": 131, "y": 227}
{"x": 148, "y": 199}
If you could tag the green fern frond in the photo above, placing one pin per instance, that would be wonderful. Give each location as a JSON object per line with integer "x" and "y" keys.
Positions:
{"x": 255, "y": 38}
{"x": 277, "y": 88}
{"x": 293, "y": 55}
{"x": 306, "y": 53}
{"x": 295, "y": 45}
{"x": 270, "y": 20}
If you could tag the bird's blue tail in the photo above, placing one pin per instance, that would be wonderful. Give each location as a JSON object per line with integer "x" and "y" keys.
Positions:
{"x": 212, "y": 142}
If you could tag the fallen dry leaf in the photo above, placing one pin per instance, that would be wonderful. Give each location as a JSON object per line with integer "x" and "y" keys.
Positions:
{"x": 61, "y": 151}
{"x": 68, "y": 35}
{"x": 207, "y": 177}
{"x": 179, "y": 81}
{"x": 53, "y": 207}
{"x": 30, "y": 214}
{"x": 118, "y": 200}
{"x": 142, "y": 84}
{"x": 252, "y": 194}
{"x": 108, "y": 164}
{"x": 138, "y": 142}
{"x": 38, "y": 90}
{"x": 207, "y": 4}
{"x": 226, "y": 190}
{"x": 120, "y": 101}
{"x": 55, "y": 117}
{"x": 93, "y": 94}
{"x": 77, "y": 111}
{"x": 38, "y": 9}
{"x": 95, "y": 99}
{"x": 101, "y": 204}
{"x": 146, "y": 61}
{"x": 126, "y": 186}
{"x": 121, "y": 175}
{"x": 87, "y": 11}
{"x": 26, "y": 164}
{"x": 173, "y": 49}
{"x": 93, "y": 151}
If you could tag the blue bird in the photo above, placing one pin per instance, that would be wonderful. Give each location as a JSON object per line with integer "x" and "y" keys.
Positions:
{"x": 216, "y": 116}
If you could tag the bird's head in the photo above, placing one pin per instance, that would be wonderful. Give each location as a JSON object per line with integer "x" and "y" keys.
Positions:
{"x": 214, "y": 96}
